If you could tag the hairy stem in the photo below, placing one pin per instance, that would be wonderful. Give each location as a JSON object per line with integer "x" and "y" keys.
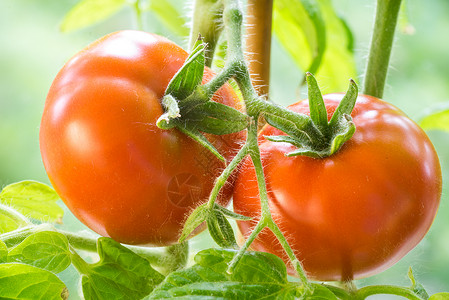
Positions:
{"x": 221, "y": 180}
{"x": 381, "y": 43}
{"x": 258, "y": 43}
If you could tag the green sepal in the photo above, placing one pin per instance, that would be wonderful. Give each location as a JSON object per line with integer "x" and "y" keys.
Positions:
{"x": 201, "y": 139}
{"x": 231, "y": 214}
{"x": 195, "y": 219}
{"x": 346, "y": 129}
{"x": 318, "y": 112}
{"x": 346, "y": 104}
{"x": 340, "y": 127}
{"x": 220, "y": 230}
{"x": 190, "y": 75}
{"x": 288, "y": 127}
{"x": 216, "y": 118}
{"x": 171, "y": 107}
{"x": 284, "y": 139}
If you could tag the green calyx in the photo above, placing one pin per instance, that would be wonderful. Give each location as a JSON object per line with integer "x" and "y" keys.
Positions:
{"x": 327, "y": 136}
{"x": 189, "y": 108}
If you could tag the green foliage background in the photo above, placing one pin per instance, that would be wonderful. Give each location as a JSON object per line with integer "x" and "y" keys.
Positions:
{"x": 33, "y": 49}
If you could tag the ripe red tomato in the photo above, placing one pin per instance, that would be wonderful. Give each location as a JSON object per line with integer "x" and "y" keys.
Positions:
{"x": 357, "y": 212}
{"x": 114, "y": 168}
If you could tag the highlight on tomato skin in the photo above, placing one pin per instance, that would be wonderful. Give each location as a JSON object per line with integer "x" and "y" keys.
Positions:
{"x": 357, "y": 212}
{"x": 113, "y": 167}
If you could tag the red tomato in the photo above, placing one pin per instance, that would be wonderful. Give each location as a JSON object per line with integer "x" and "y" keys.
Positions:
{"x": 357, "y": 212}
{"x": 114, "y": 168}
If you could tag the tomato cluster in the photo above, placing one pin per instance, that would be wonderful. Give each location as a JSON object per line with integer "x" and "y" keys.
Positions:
{"x": 349, "y": 215}
{"x": 114, "y": 168}
{"x": 357, "y": 212}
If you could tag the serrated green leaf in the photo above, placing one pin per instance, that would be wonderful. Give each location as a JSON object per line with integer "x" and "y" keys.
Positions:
{"x": 231, "y": 214}
{"x": 89, "y": 12}
{"x": 120, "y": 274}
{"x": 258, "y": 275}
{"x": 46, "y": 250}
{"x": 195, "y": 219}
{"x": 170, "y": 16}
{"x": 254, "y": 267}
{"x": 34, "y": 200}
{"x": 436, "y": 118}
{"x": 221, "y": 230}
{"x": 189, "y": 76}
{"x": 3, "y": 252}
{"x": 201, "y": 139}
{"x": 20, "y": 281}
{"x": 300, "y": 28}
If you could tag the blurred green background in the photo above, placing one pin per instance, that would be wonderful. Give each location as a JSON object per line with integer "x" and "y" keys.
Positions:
{"x": 33, "y": 49}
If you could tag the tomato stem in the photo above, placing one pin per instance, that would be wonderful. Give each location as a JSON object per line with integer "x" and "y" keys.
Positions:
{"x": 380, "y": 50}
{"x": 221, "y": 180}
{"x": 206, "y": 22}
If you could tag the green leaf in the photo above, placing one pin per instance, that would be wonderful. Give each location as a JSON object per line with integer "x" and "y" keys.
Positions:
{"x": 318, "y": 40}
{"x": 171, "y": 17}
{"x": 318, "y": 112}
{"x": 46, "y": 250}
{"x": 195, "y": 219}
{"x": 3, "y": 252}
{"x": 439, "y": 296}
{"x": 338, "y": 64}
{"x": 216, "y": 118}
{"x": 11, "y": 219}
{"x": 89, "y": 12}
{"x": 34, "y": 200}
{"x": 221, "y": 230}
{"x": 20, "y": 281}
{"x": 300, "y": 27}
{"x": 320, "y": 293}
{"x": 189, "y": 76}
{"x": 437, "y": 118}
{"x": 120, "y": 274}
{"x": 258, "y": 275}
{"x": 201, "y": 139}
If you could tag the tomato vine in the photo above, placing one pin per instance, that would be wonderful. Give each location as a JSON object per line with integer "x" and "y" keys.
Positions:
{"x": 163, "y": 273}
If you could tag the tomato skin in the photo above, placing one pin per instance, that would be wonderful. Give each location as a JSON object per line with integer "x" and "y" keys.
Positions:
{"x": 114, "y": 168}
{"x": 357, "y": 212}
